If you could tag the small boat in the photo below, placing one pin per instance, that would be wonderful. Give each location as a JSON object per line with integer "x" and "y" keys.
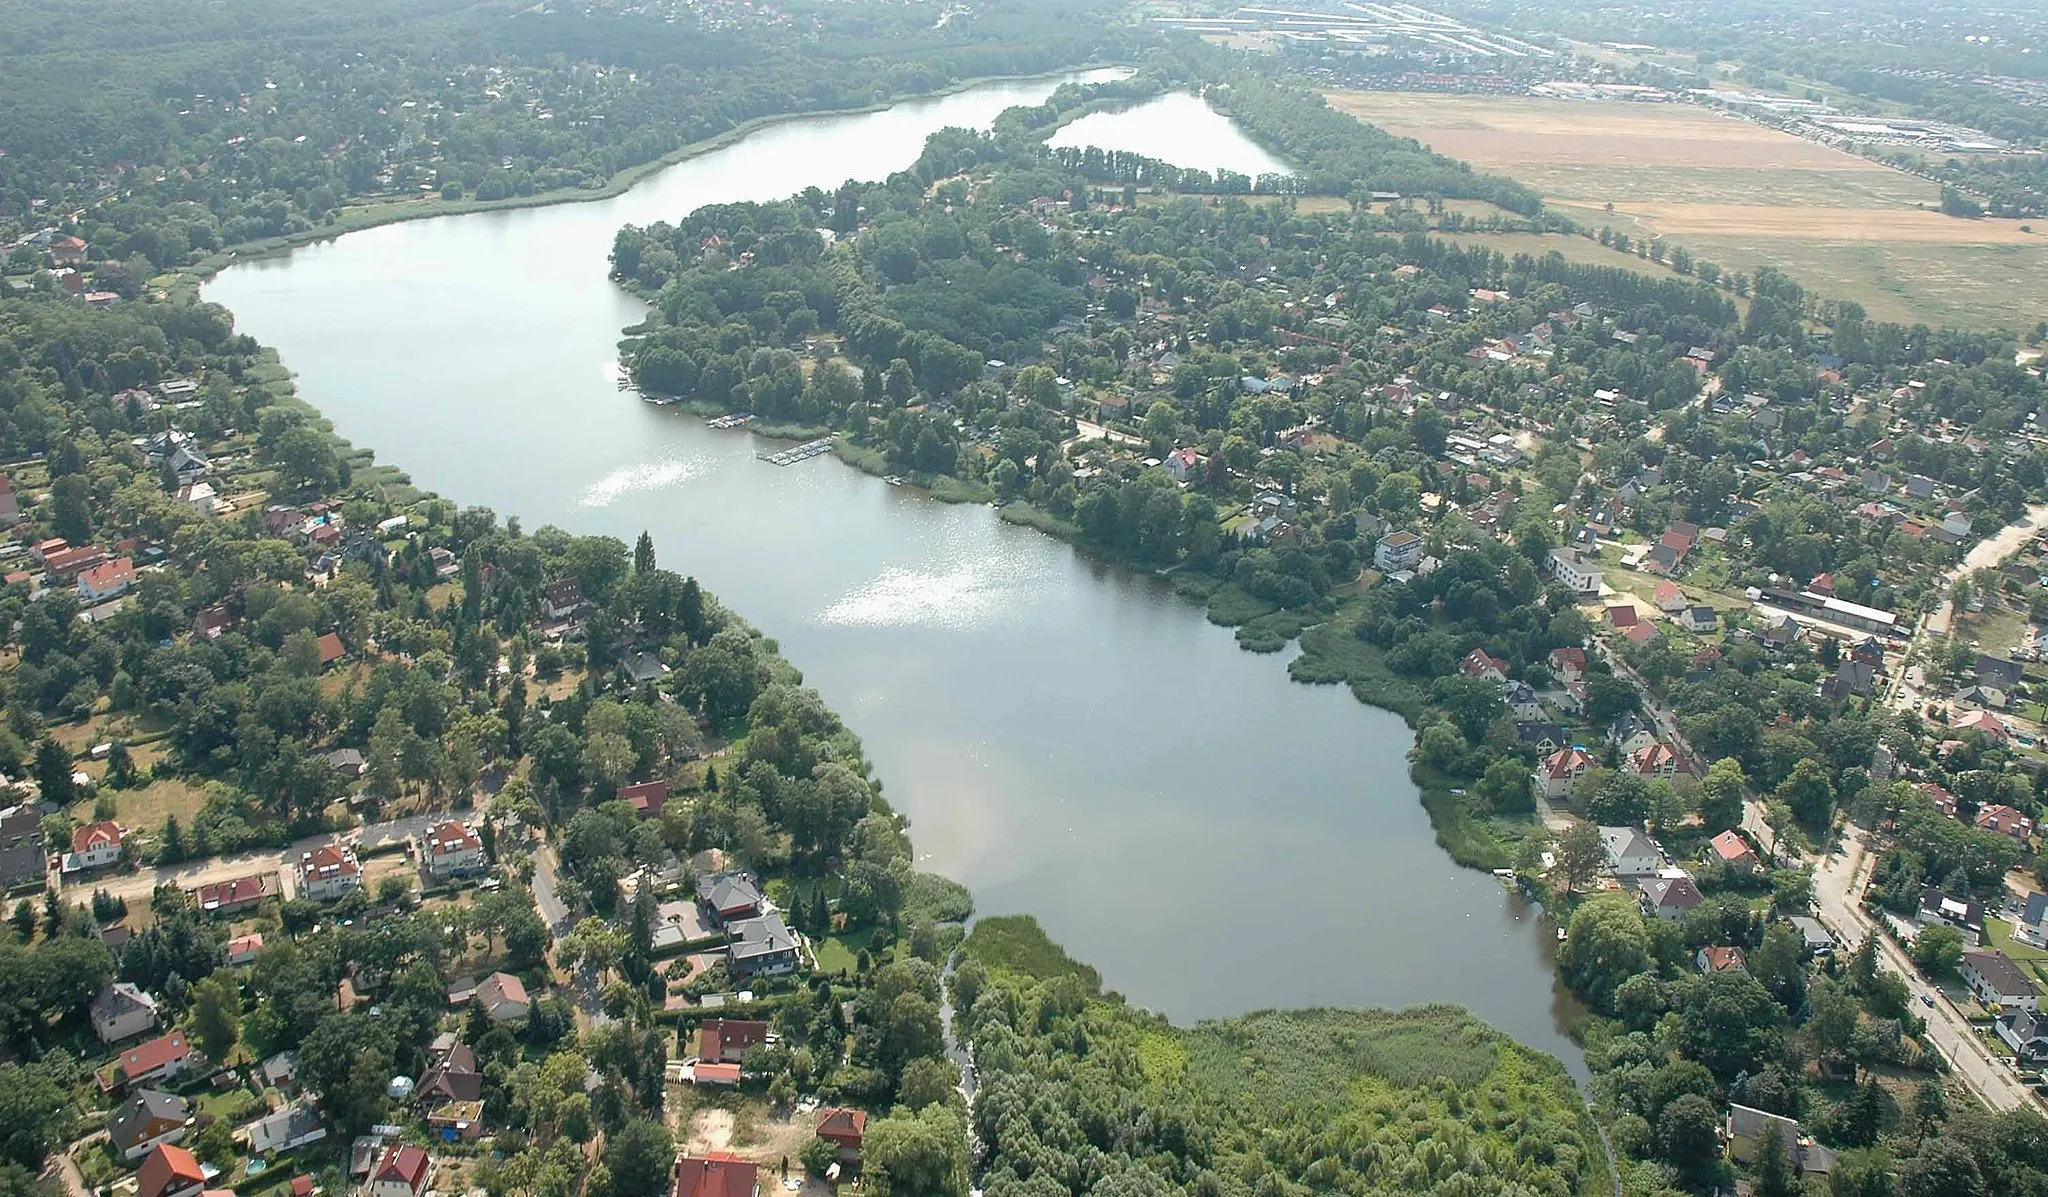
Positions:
{"x": 892, "y": 479}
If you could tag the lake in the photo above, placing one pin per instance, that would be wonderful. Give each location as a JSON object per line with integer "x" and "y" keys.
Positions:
{"x": 1177, "y": 128}
{"x": 1068, "y": 738}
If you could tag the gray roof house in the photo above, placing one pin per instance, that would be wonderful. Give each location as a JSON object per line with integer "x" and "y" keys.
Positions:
{"x": 122, "y": 1011}
{"x": 22, "y": 859}
{"x": 2026, "y": 1033}
{"x": 642, "y": 667}
{"x": 147, "y": 1118}
{"x": 760, "y": 946}
{"x": 292, "y": 1127}
{"x": 1818, "y": 941}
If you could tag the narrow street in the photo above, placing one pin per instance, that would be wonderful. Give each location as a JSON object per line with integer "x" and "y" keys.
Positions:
{"x": 135, "y": 888}
{"x": 1836, "y": 884}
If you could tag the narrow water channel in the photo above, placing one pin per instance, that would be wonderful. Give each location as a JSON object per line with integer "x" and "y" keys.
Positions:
{"x": 1067, "y": 738}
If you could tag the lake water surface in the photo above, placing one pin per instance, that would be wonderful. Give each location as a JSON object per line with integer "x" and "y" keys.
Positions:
{"x": 1177, "y": 128}
{"x": 1069, "y": 739}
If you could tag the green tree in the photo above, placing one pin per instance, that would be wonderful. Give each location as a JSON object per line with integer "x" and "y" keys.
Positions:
{"x": 1622, "y": 801}
{"x": 1731, "y": 1024}
{"x": 1777, "y": 1174}
{"x": 1938, "y": 950}
{"x": 1506, "y": 787}
{"x": 640, "y": 1158}
{"x": 217, "y": 1015}
{"x": 1809, "y": 792}
{"x": 1605, "y": 945}
{"x": 33, "y": 1111}
{"x": 1721, "y": 796}
{"x": 1941, "y": 1168}
{"x": 916, "y": 1155}
{"x": 1688, "y": 1132}
{"x": 53, "y": 773}
{"x": 1580, "y": 854}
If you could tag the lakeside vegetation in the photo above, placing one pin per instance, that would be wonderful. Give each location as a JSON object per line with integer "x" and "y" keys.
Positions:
{"x": 1080, "y": 1090}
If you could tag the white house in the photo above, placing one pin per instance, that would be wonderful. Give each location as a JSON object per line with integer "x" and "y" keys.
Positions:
{"x": 328, "y": 872}
{"x": 452, "y": 849}
{"x": 93, "y": 846}
{"x": 121, "y": 1011}
{"x": 1522, "y": 702}
{"x": 1996, "y": 980}
{"x": 200, "y": 497}
{"x": 109, "y": 579}
{"x": 1574, "y": 572}
{"x": 400, "y": 1171}
{"x": 1560, "y": 771}
{"x": 1630, "y": 853}
{"x": 1397, "y": 551}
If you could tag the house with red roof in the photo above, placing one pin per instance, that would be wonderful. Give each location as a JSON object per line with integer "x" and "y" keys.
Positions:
{"x": 107, "y": 580}
{"x": 714, "y": 1174}
{"x": 1989, "y": 725}
{"x": 728, "y": 1040}
{"x": 1568, "y": 664}
{"x": 1478, "y": 664}
{"x": 160, "y": 1059}
{"x": 234, "y": 897}
{"x": 243, "y": 949}
{"x": 1734, "y": 851}
{"x": 401, "y": 1171}
{"x": 331, "y": 649}
{"x": 703, "y": 1072}
{"x": 328, "y": 872}
{"x": 2005, "y": 820}
{"x": 1560, "y": 771}
{"x": 1721, "y": 960}
{"x": 1670, "y": 597}
{"x": 844, "y": 1128}
{"x": 453, "y": 849}
{"x": 69, "y": 563}
{"x": 1655, "y": 760}
{"x": 93, "y": 846}
{"x": 1622, "y": 615}
{"x": 169, "y": 1171}
{"x": 503, "y": 997}
{"x": 1641, "y": 634}
{"x": 647, "y": 797}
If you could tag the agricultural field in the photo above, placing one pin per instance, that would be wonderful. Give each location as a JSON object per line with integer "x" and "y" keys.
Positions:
{"x": 1743, "y": 196}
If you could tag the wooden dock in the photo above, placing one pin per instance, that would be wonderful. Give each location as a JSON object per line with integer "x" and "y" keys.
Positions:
{"x": 797, "y": 453}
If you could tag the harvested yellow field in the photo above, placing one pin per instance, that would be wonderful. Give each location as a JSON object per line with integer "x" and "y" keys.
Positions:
{"x": 1499, "y": 131}
{"x": 1742, "y": 195}
{"x": 1835, "y": 224}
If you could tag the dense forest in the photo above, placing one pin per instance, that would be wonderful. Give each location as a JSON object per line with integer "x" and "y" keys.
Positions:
{"x": 159, "y": 133}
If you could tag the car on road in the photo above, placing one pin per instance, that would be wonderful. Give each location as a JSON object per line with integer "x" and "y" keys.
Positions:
{"x": 1927, "y": 999}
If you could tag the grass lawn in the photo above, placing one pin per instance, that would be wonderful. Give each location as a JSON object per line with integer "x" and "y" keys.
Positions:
{"x": 1999, "y": 933}
{"x": 835, "y": 955}
{"x": 147, "y": 808}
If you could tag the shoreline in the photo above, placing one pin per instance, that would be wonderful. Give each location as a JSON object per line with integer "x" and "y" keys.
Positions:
{"x": 187, "y": 279}
{"x": 1440, "y": 805}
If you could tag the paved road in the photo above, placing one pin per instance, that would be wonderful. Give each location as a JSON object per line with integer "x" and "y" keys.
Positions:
{"x": 545, "y": 899}
{"x": 1836, "y": 885}
{"x": 137, "y": 887}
